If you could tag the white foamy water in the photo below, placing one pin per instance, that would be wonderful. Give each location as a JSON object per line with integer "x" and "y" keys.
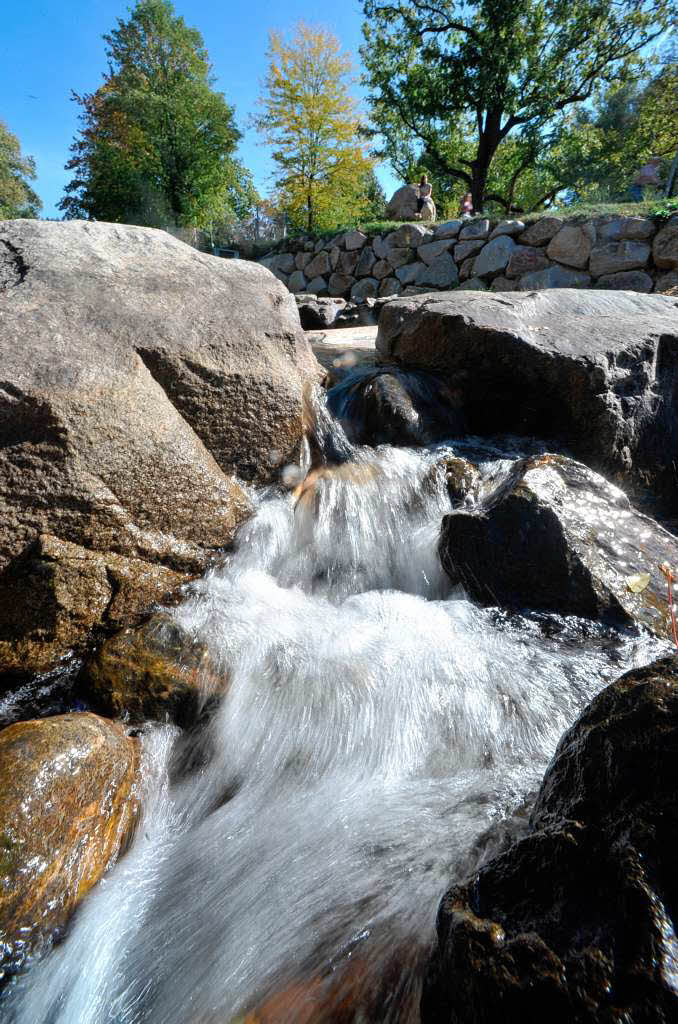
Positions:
{"x": 377, "y": 739}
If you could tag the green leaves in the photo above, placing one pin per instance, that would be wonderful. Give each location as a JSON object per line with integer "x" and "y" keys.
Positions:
{"x": 17, "y": 198}
{"x": 157, "y": 142}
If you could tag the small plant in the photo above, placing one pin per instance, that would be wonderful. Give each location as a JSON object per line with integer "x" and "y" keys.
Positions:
{"x": 669, "y": 573}
{"x": 665, "y": 208}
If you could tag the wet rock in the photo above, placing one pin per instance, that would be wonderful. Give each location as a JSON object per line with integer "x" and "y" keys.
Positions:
{"x": 462, "y": 477}
{"x": 575, "y": 923}
{"x": 56, "y": 596}
{"x": 554, "y": 536}
{"x": 388, "y": 406}
{"x": 155, "y": 671}
{"x": 68, "y": 807}
{"x": 541, "y": 232}
{"x": 618, "y": 256}
{"x": 572, "y": 245}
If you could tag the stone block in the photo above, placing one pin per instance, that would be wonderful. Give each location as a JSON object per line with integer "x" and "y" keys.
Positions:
{"x": 448, "y": 229}
{"x": 541, "y": 232}
{"x": 525, "y": 259}
{"x": 554, "y": 277}
{"x": 475, "y": 229}
{"x": 297, "y": 282}
{"x": 665, "y": 246}
{"x": 463, "y": 250}
{"x": 617, "y": 256}
{"x": 366, "y": 262}
{"x": 507, "y": 227}
{"x": 626, "y": 281}
{"x": 354, "y": 240}
{"x": 367, "y": 288}
{"x": 340, "y": 284}
{"x": 319, "y": 265}
{"x": 572, "y": 245}
{"x": 441, "y": 273}
{"x": 494, "y": 257}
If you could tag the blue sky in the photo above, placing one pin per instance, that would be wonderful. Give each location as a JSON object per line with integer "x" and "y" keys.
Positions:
{"x": 48, "y": 48}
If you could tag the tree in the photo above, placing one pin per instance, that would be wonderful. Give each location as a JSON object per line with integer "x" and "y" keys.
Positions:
{"x": 17, "y": 198}
{"x": 311, "y": 120}
{"x": 440, "y": 70}
{"x": 156, "y": 144}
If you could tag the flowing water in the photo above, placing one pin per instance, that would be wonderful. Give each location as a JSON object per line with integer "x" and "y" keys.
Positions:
{"x": 380, "y": 737}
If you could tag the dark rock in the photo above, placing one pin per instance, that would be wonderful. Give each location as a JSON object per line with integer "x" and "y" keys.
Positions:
{"x": 68, "y": 807}
{"x": 596, "y": 371}
{"x": 56, "y": 596}
{"x": 156, "y": 671}
{"x": 576, "y": 923}
{"x": 317, "y": 313}
{"x": 541, "y": 231}
{"x": 388, "y": 406}
{"x": 555, "y": 536}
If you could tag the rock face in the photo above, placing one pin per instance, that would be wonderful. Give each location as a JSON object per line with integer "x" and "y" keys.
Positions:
{"x": 575, "y": 924}
{"x": 55, "y": 597}
{"x": 156, "y": 671}
{"x": 68, "y": 807}
{"x": 594, "y": 370}
{"x": 403, "y": 205}
{"x": 137, "y": 375}
{"x": 557, "y": 537}
{"x": 316, "y": 313}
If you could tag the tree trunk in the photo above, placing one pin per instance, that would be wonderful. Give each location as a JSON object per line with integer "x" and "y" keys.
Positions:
{"x": 489, "y": 137}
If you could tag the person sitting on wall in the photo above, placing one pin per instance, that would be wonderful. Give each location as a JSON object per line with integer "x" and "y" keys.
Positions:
{"x": 425, "y": 192}
{"x": 466, "y": 205}
{"x": 647, "y": 177}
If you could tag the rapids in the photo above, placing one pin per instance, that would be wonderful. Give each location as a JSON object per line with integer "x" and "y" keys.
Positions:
{"x": 381, "y": 736}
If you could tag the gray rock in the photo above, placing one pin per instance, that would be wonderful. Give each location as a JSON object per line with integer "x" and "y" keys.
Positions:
{"x": 413, "y": 289}
{"x": 404, "y": 205}
{"x": 507, "y": 227}
{"x": 617, "y": 256}
{"x": 340, "y": 284}
{"x": 474, "y": 229}
{"x": 409, "y": 273}
{"x": 494, "y": 256}
{"x": 541, "y": 232}
{"x": 441, "y": 273}
{"x": 316, "y": 313}
{"x": 592, "y": 369}
{"x": 381, "y": 269}
{"x": 297, "y": 282}
{"x": 319, "y": 265}
{"x": 617, "y": 229}
{"x": 572, "y": 245}
{"x": 354, "y": 240}
{"x": 380, "y": 247}
{"x": 282, "y": 261}
{"x": 137, "y": 375}
{"x": 348, "y": 262}
{"x": 399, "y": 257}
{"x": 526, "y": 259}
{"x": 390, "y": 286}
{"x": 366, "y": 262}
{"x": 367, "y": 288}
{"x": 474, "y": 284}
{"x": 665, "y": 246}
{"x": 318, "y": 286}
{"x": 667, "y": 281}
{"x": 335, "y": 253}
{"x": 627, "y": 281}
{"x": 448, "y": 229}
{"x": 302, "y": 259}
{"x": 320, "y": 245}
{"x": 554, "y": 277}
{"x": 463, "y": 250}
{"x": 428, "y": 252}
{"x": 409, "y": 236}
{"x": 503, "y": 284}
{"x": 466, "y": 269}
{"x": 281, "y": 277}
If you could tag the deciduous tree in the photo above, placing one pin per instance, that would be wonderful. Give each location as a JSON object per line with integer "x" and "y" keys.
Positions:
{"x": 488, "y": 69}
{"x": 157, "y": 141}
{"x": 311, "y": 120}
{"x": 17, "y": 198}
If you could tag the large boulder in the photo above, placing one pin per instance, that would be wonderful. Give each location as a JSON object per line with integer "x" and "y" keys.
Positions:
{"x": 68, "y": 806}
{"x": 576, "y": 923}
{"x": 594, "y": 370}
{"x": 138, "y": 375}
{"x": 404, "y": 205}
{"x": 557, "y": 537}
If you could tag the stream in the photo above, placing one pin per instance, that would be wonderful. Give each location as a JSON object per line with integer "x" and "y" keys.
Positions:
{"x": 380, "y": 738}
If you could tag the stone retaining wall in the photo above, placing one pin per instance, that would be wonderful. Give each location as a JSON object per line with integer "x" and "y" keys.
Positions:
{"x": 629, "y": 253}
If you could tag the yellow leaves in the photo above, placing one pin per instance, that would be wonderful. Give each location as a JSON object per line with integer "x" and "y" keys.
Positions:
{"x": 638, "y": 582}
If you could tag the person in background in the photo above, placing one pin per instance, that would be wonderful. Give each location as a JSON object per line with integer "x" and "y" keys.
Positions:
{"x": 425, "y": 191}
{"x": 647, "y": 177}
{"x": 466, "y": 205}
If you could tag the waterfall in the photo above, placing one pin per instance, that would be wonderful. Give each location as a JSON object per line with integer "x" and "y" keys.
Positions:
{"x": 380, "y": 737}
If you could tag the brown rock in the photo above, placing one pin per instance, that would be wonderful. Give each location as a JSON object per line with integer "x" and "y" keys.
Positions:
{"x": 156, "y": 671}
{"x": 398, "y": 257}
{"x": 302, "y": 259}
{"x": 525, "y": 259}
{"x": 502, "y": 284}
{"x": 366, "y": 262}
{"x": 348, "y": 262}
{"x": 389, "y": 286}
{"x": 340, "y": 285}
{"x": 55, "y": 595}
{"x": 667, "y": 282}
{"x": 572, "y": 245}
{"x": 466, "y": 269}
{"x": 68, "y": 807}
{"x": 318, "y": 266}
{"x": 665, "y": 246}
{"x": 541, "y": 232}
{"x": 381, "y": 269}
